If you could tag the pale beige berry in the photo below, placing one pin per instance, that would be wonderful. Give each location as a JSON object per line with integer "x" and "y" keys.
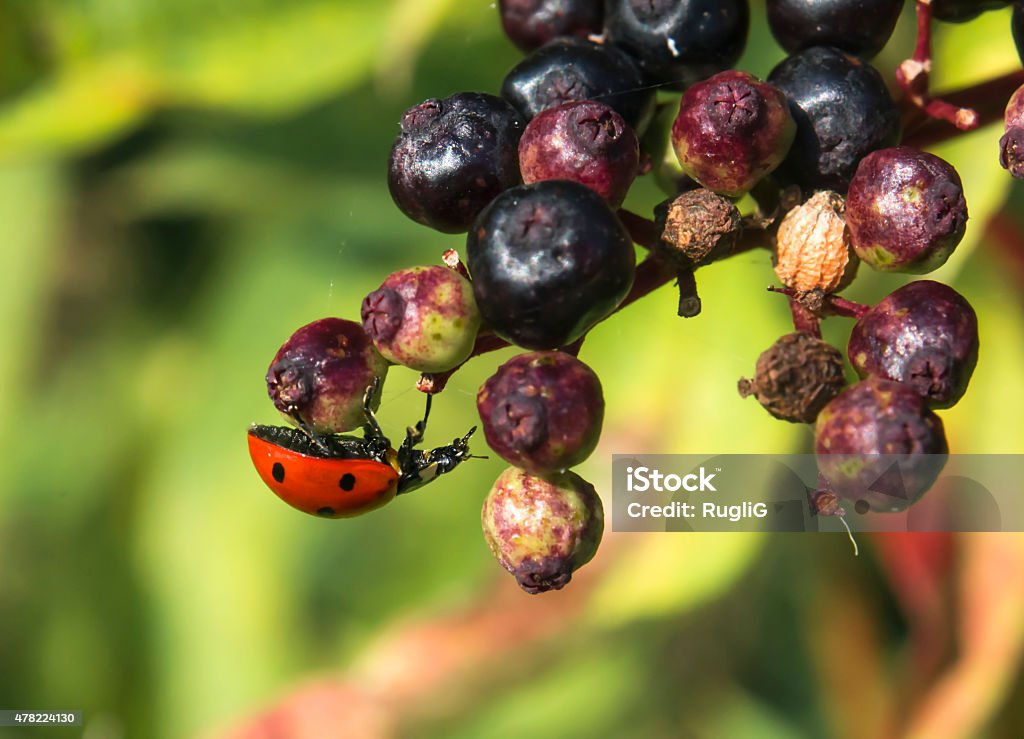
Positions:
{"x": 813, "y": 252}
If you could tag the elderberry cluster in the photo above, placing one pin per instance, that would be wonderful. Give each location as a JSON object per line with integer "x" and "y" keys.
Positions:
{"x": 535, "y": 178}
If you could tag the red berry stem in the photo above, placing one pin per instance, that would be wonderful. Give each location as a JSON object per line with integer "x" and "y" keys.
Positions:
{"x": 689, "y": 300}
{"x": 642, "y": 230}
{"x": 452, "y": 260}
{"x": 832, "y": 305}
{"x": 913, "y": 78}
{"x": 804, "y": 320}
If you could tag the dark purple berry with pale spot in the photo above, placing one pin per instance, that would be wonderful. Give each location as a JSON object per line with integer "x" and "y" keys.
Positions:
{"x": 732, "y": 130}
{"x": 452, "y": 157}
{"x": 868, "y": 429}
{"x": 319, "y": 376}
{"x": 585, "y": 141}
{"x": 568, "y": 70}
{"x": 542, "y": 529}
{"x": 905, "y": 210}
{"x": 924, "y": 335}
{"x": 424, "y": 318}
{"x": 1011, "y": 145}
{"x": 530, "y": 24}
{"x": 542, "y": 411}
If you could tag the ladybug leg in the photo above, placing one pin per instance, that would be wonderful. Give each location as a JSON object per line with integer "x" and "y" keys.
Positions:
{"x": 373, "y": 429}
{"x": 316, "y": 438}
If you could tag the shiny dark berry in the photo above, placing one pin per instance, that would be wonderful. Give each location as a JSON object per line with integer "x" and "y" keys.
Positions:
{"x": 843, "y": 112}
{"x": 860, "y": 27}
{"x": 679, "y": 41}
{"x": 905, "y": 210}
{"x": 796, "y": 377}
{"x": 585, "y": 141}
{"x": 542, "y": 529}
{"x": 1011, "y": 145}
{"x": 1017, "y": 27}
{"x": 880, "y": 417}
{"x": 960, "y": 11}
{"x": 452, "y": 157}
{"x": 319, "y": 376}
{"x": 548, "y": 260}
{"x": 567, "y": 70}
{"x": 542, "y": 411}
{"x": 424, "y": 318}
{"x": 732, "y": 130}
{"x": 697, "y": 227}
{"x": 924, "y": 335}
{"x": 530, "y": 24}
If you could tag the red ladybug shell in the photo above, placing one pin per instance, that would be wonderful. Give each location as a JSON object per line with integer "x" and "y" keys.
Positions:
{"x": 323, "y": 486}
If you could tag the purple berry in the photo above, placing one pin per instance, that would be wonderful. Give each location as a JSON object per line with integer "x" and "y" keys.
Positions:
{"x": 452, "y": 157}
{"x": 905, "y": 210}
{"x": 731, "y": 131}
{"x": 1011, "y": 145}
{"x": 319, "y": 376}
{"x": 424, "y": 318}
{"x": 542, "y": 529}
{"x": 530, "y": 24}
{"x": 880, "y": 417}
{"x": 843, "y": 111}
{"x": 796, "y": 377}
{"x": 542, "y": 411}
{"x": 924, "y": 335}
{"x": 960, "y": 11}
{"x": 567, "y": 70}
{"x": 585, "y": 141}
{"x": 679, "y": 42}
{"x": 548, "y": 260}
{"x": 860, "y": 27}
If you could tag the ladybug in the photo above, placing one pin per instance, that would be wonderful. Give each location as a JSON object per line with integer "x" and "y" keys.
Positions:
{"x": 335, "y": 476}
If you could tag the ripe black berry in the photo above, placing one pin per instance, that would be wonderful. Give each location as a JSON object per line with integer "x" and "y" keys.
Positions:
{"x": 843, "y": 112}
{"x": 542, "y": 529}
{"x": 530, "y": 24}
{"x": 796, "y": 377}
{"x": 731, "y": 131}
{"x": 880, "y": 417}
{"x": 905, "y": 210}
{"x": 423, "y": 317}
{"x": 548, "y": 261}
{"x": 959, "y": 11}
{"x": 860, "y": 27}
{"x": 679, "y": 41}
{"x": 585, "y": 141}
{"x": 542, "y": 411}
{"x": 924, "y": 335}
{"x": 319, "y": 376}
{"x": 567, "y": 70}
{"x": 452, "y": 157}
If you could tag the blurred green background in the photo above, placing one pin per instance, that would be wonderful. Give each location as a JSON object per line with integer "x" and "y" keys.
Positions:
{"x": 185, "y": 182}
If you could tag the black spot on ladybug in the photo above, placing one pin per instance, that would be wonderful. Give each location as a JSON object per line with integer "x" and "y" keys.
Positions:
{"x": 347, "y": 481}
{"x": 325, "y": 511}
{"x": 277, "y": 471}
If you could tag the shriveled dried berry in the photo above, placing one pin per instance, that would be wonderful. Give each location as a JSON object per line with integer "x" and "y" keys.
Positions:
{"x": 424, "y": 318}
{"x": 319, "y": 376}
{"x": 878, "y": 442}
{"x": 697, "y": 228}
{"x": 584, "y": 141}
{"x": 925, "y": 335}
{"x": 813, "y": 254}
{"x": 905, "y": 210}
{"x": 542, "y": 411}
{"x": 542, "y": 529}
{"x": 796, "y": 377}
{"x": 731, "y": 131}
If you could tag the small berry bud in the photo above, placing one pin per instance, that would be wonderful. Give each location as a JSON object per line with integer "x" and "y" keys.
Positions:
{"x": 585, "y": 141}
{"x": 542, "y": 411}
{"x": 925, "y": 335}
{"x": 424, "y": 318}
{"x": 698, "y": 227}
{"x": 1011, "y": 145}
{"x": 813, "y": 252}
{"x": 731, "y": 131}
{"x": 796, "y": 377}
{"x": 542, "y": 529}
{"x": 319, "y": 376}
{"x": 905, "y": 210}
{"x": 880, "y": 417}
